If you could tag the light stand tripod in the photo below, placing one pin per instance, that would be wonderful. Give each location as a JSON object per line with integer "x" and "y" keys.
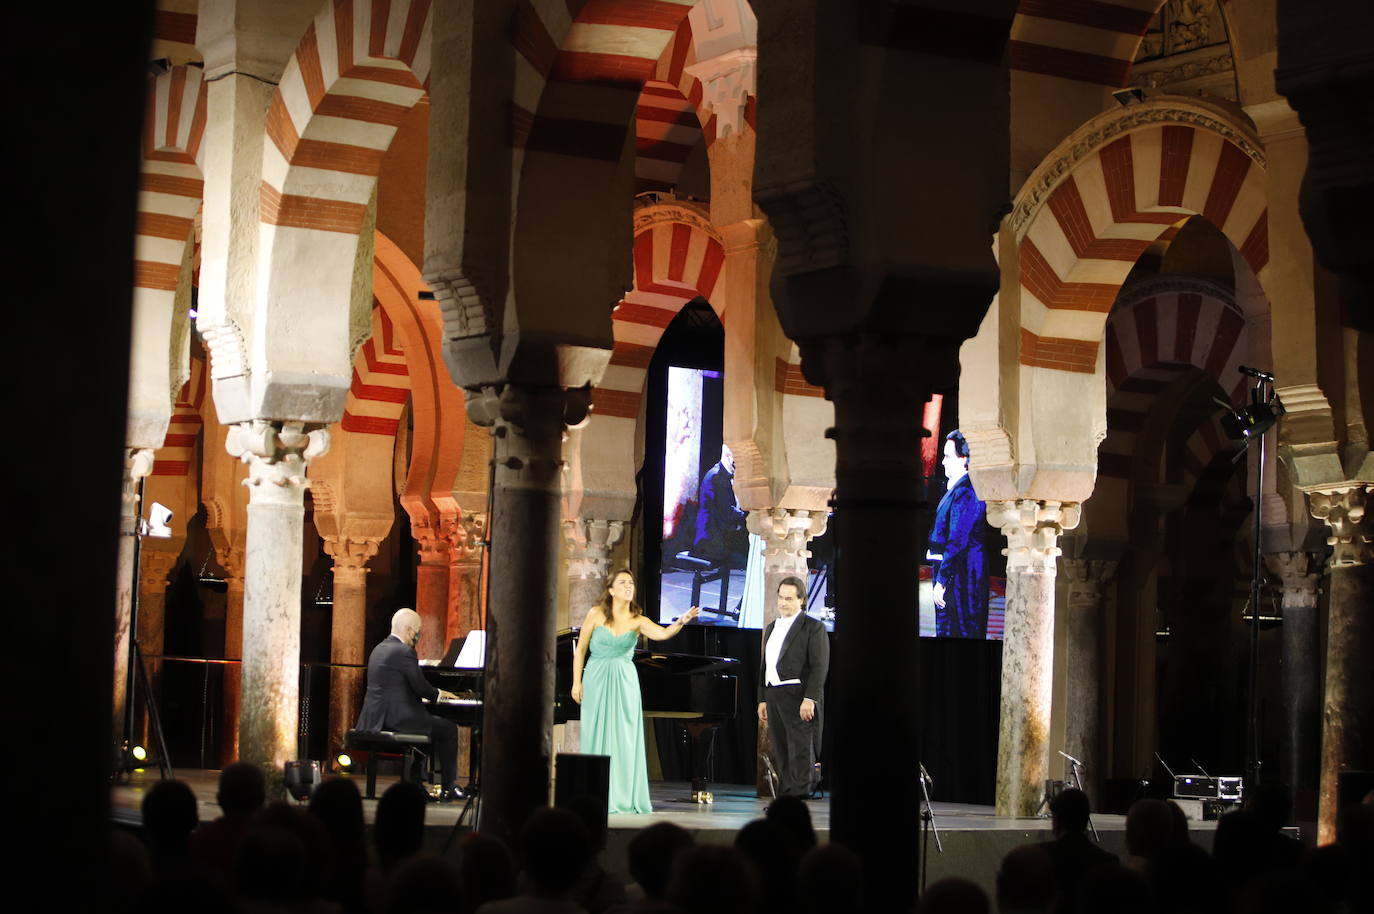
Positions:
{"x": 927, "y": 823}
{"x": 1249, "y": 424}
{"x": 1075, "y": 769}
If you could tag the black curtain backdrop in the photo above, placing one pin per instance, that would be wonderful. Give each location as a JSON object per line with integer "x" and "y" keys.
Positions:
{"x": 959, "y": 697}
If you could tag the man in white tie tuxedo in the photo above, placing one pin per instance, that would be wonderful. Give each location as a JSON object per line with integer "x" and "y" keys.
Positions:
{"x": 796, "y": 657}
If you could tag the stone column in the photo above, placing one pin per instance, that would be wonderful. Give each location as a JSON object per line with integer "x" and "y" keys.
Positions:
{"x": 230, "y": 558}
{"x": 1086, "y": 606}
{"x": 154, "y": 567}
{"x": 785, "y": 536}
{"x": 590, "y": 543}
{"x": 877, "y": 384}
{"x": 465, "y": 544}
{"x": 1299, "y": 575}
{"x": 431, "y": 587}
{"x": 528, "y": 422}
{"x": 276, "y": 454}
{"x": 1032, "y": 529}
{"x": 138, "y": 463}
{"x": 1348, "y": 710}
{"x": 346, "y": 631}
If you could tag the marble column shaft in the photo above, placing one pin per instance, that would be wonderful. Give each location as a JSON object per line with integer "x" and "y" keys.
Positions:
{"x": 1086, "y": 605}
{"x": 347, "y": 628}
{"x": 1032, "y": 529}
{"x": 137, "y": 464}
{"x": 276, "y": 455}
{"x": 517, "y": 745}
{"x": 1348, "y": 706}
{"x": 1299, "y": 575}
{"x": 877, "y": 384}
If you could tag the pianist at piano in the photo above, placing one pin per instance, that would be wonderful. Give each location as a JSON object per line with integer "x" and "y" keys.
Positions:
{"x": 394, "y": 689}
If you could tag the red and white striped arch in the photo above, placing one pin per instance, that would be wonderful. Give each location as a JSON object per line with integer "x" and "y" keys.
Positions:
{"x": 381, "y": 381}
{"x": 609, "y": 46}
{"x": 359, "y": 69}
{"x": 674, "y": 262}
{"x": 1078, "y": 247}
{"x": 171, "y": 183}
{"x": 1150, "y": 345}
{"x": 178, "y": 450}
{"x": 355, "y": 75}
{"x": 1089, "y": 41}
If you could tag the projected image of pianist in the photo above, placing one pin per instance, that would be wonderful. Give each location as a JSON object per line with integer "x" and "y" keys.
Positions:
{"x": 956, "y": 541}
{"x": 721, "y": 536}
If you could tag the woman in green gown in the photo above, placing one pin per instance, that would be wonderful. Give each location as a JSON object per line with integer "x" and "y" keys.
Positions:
{"x": 607, "y": 687}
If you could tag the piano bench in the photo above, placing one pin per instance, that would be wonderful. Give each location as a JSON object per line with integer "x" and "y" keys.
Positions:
{"x": 387, "y": 744}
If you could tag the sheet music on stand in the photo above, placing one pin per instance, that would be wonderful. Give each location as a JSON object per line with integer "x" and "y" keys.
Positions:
{"x": 474, "y": 653}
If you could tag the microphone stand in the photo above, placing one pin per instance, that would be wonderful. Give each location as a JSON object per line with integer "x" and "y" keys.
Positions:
{"x": 927, "y": 824}
{"x": 1075, "y": 767}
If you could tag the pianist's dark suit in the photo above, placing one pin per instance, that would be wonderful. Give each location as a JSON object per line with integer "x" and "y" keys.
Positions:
{"x": 395, "y": 686}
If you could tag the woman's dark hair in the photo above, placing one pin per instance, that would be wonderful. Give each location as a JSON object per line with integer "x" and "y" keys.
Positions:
{"x": 960, "y": 445}
{"x": 607, "y": 601}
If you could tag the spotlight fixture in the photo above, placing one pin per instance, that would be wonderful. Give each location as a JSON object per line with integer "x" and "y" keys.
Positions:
{"x": 1259, "y": 416}
{"x": 302, "y": 777}
{"x": 1132, "y": 95}
{"x": 158, "y": 523}
{"x": 343, "y": 763}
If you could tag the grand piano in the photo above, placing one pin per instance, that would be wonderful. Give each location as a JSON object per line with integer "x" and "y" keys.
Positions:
{"x": 700, "y": 691}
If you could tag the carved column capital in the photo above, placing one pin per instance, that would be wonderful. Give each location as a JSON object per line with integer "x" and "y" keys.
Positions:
{"x": 351, "y": 554}
{"x": 138, "y": 463}
{"x": 1032, "y": 529}
{"x": 727, "y": 81}
{"x": 1299, "y": 575}
{"x": 786, "y": 533}
{"x": 877, "y": 384}
{"x": 1086, "y": 578}
{"x": 466, "y": 537}
{"x": 155, "y": 566}
{"x": 277, "y": 454}
{"x": 1344, "y": 510}
{"x": 431, "y": 541}
{"x": 528, "y": 425}
{"x": 590, "y": 542}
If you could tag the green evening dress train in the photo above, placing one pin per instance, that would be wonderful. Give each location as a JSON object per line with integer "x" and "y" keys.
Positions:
{"x": 613, "y": 717}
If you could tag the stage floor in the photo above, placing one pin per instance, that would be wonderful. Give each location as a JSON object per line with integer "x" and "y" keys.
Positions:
{"x": 974, "y": 838}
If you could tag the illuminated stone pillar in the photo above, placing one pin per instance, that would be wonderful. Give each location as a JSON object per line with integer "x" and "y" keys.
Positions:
{"x": 154, "y": 567}
{"x": 1032, "y": 529}
{"x": 137, "y": 464}
{"x": 528, "y": 425}
{"x": 230, "y": 558}
{"x": 1348, "y": 708}
{"x": 465, "y": 547}
{"x": 1086, "y": 605}
{"x": 347, "y": 629}
{"x": 1299, "y": 575}
{"x": 276, "y": 454}
{"x": 431, "y": 586}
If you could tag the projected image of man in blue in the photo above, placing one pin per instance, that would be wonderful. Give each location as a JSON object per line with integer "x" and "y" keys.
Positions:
{"x": 956, "y": 547}
{"x": 720, "y": 534}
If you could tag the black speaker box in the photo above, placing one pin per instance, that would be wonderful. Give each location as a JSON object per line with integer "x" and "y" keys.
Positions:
{"x": 582, "y": 785}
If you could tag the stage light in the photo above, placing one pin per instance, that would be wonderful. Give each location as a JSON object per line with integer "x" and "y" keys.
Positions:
{"x": 139, "y": 754}
{"x": 343, "y": 762}
{"x": 302, "y": 777}
{"x": 158, "y": 524}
